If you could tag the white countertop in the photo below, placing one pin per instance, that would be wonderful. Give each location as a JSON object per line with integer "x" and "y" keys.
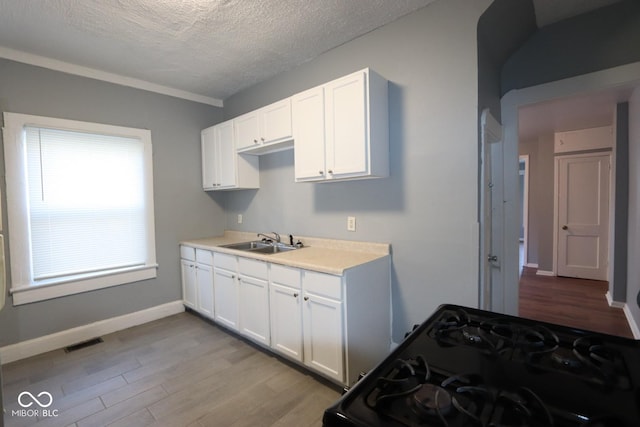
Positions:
{"x": 323, "y": 255}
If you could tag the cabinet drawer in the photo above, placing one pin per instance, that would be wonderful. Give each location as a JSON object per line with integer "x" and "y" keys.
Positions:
{"x": 285, "y": 275}
{"x": 323, "y": 284}
{"x": 188, "y": 253}
{"x": 226, "y": 261}
{"x": 204, "y": 256}
{"x": 253, "y": 268}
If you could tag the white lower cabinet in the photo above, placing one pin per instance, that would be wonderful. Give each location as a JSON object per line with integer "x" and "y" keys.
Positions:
{"x": 197, "y": 279}
{"x": 189, "y": 286}
{"x": 226, "y": 290}
{"x": 323, "y": 324}
{"x": 337, "y": 326}
{"x": 204, "y": 282}
{"x": 286, "y": 311}
{"x": 254, "y": 300}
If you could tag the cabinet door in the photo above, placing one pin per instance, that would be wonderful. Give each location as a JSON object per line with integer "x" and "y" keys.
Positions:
{"x": 286, "y": 321}
{"x": 246, "y": 130}
{"x": 225, "y": 297}
{"x": 204, "y": 279}
{"x": 346, "y": 127}
{"x": 189, "y": 290}
{"x": 209, "y": 159}
{"x": 254, "y": 309}
{"x": 227, "y": 156}
{"x": 323, "y": 337}
{"x": 309, "y": 134}
{"x": 275, "y": 121}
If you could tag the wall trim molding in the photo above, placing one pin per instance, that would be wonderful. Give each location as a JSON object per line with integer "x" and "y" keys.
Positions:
{"x": 531, "y": 265}
{"x": 33, "y": 347}
{"x": 612, "y": 303}
{"x": 635, "y": 329}
{"x": 545, "y": 273}
{"x": 92, "y": 73}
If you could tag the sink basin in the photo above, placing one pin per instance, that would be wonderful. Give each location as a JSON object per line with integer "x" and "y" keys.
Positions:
{"x": 247, "y": 246}
{"x": 260, "y": 247}
{"x": 274, "y": 249}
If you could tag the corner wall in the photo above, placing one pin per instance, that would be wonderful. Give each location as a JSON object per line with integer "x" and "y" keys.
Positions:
{"x": 427, "y": 209}
{"x": 182, "y": 209}
{"x": 633, "y": 274}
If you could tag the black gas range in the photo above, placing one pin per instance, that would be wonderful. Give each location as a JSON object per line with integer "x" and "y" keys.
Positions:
{"x": 469, "y": 367}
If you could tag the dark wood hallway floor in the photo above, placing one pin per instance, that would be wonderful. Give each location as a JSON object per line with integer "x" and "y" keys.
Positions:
{"x": 572, "y": 302}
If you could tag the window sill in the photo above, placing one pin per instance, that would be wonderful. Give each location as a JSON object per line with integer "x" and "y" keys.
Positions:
{"x": 42, "y": 292}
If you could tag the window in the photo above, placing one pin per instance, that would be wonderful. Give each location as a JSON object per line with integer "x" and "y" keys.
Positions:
{"x": 80, "y": 206}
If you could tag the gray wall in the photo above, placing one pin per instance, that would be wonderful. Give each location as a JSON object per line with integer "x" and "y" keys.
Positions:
{"x": 182, "y": 209}
{"x": 502, "y": 29}
{"x": 597, "y": 40}
{"x": 633, "y": 276}
{"x": 427, "y": 208}
{"x": 540, "y": 244}
{"x": 621, "y": 200}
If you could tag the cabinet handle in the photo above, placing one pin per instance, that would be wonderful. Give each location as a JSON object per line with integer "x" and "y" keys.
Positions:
{"x": 262, "y": 139}
{"x": 255, "y": 141}
{"x": 295, "y": 295}
{"x": 306, "y": 298}
{"x": 233, "y": 276}
{"x": 321, "y": 172}
{"x": 330, "y": 171}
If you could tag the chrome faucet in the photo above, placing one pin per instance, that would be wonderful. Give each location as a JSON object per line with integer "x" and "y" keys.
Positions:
{"x": 274, "y": 238}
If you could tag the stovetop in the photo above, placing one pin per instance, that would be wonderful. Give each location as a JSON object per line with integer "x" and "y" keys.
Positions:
{"x": 469, "y": 367}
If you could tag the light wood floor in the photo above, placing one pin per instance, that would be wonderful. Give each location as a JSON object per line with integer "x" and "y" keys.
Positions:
{"x": 177, "y": 371}
{"x": 572, "y": 302}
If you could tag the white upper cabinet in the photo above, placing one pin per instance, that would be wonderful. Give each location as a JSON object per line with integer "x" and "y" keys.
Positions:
{"x": 341, "y": 129}
{"x": 222, "y": 167}
{"x": 308, "y": 128}
{"x": 265, "y": 130}
{"x": 247, "y": 130}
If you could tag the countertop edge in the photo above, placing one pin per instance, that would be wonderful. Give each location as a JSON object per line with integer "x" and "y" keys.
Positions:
{"x": 336, "y": 258}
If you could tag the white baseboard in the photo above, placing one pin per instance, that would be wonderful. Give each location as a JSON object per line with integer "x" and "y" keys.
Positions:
{"x": 544, "y": 273}
{"x": 632, "y": 323}
{"x": 33, "y": 347}
{"x": 612, "y": 303}
{"x": 531, "y": 265}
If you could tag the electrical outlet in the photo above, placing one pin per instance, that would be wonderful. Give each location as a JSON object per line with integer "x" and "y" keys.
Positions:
{"x": 239, "y": 218}
{"x": 351, "y": 223}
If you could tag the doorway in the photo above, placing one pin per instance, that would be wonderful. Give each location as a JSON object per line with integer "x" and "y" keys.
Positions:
{"x": 523, "y": 175}
{"x": 615, "y": 84}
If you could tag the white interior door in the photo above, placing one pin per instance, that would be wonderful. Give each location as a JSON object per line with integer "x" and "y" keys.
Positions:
{"x": 583, "y": 215}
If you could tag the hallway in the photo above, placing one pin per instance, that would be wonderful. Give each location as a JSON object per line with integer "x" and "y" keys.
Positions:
{"x": 572, "y": 302}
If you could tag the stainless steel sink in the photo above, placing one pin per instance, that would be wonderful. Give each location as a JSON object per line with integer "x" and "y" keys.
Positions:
{"x": 247, "y": 246}
{"x": 261, "y": 247}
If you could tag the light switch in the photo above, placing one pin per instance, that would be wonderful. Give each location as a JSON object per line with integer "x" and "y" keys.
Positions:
{"x": 351, "y": 223}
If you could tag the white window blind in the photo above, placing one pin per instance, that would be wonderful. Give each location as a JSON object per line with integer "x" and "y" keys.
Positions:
{"x": 86, "y": 202}
{"x": 79, "y": 205}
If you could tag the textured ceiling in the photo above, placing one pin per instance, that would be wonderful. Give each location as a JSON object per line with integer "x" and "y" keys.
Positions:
{"x": 207, "y": 47}
{"x": 204, "y": 50}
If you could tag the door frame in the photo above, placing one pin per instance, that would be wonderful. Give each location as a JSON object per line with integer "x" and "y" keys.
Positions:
{"x": 491, "y": 285}
{"x": 525, "y": 209}
{"x": 613, "y": 78}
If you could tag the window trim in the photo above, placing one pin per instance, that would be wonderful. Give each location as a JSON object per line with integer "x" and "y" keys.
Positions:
{"x": 23, "y": 289}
